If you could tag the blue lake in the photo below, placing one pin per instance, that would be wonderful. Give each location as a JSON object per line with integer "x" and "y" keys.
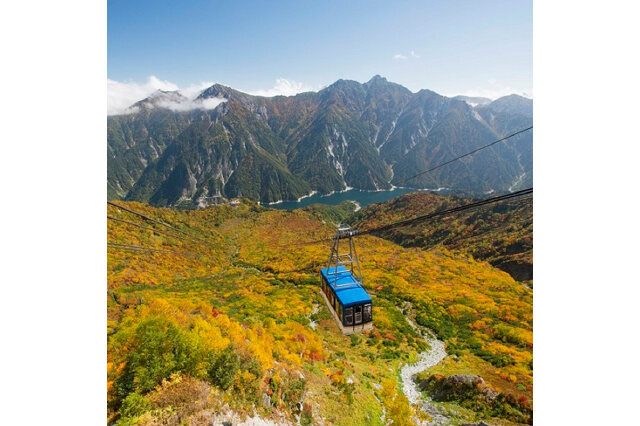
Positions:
{"x": 363, "y": 198}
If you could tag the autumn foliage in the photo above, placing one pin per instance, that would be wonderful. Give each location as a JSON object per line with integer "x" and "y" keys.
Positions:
{"x": 229, "y": 312}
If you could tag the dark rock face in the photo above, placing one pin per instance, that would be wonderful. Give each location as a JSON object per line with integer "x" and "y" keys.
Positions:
{"x": 465, "y": 379}
{"x": 473, "y": 393}
{"x": 519, "y": 270}
{"x": 368, "y": 136}
{"x": 443, "y": 387}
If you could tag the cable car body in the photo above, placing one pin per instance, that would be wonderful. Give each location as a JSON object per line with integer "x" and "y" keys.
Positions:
{"x": 341, "y": 286}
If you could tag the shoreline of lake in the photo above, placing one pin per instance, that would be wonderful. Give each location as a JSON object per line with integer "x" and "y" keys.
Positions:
{"x": 358, "y": 196}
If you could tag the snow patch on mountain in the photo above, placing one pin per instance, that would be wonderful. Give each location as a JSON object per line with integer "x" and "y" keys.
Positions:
{"x": 336, "y": 151}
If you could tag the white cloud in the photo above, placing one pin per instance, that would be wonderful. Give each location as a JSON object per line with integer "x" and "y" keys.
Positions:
{"x": 189, "y": 104}
{"x": 402, "y": 56}
{"x": 192, "y": 91}
{"x": 494, "y": 90}
{"x": 210, "y": 103}
{"x": 283, "y": 87}
{"x": 121, "y": 95}
{"x": 495, "y": 93}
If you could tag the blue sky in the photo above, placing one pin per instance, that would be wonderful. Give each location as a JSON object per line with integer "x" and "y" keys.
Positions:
{"x": 267, "y": 47}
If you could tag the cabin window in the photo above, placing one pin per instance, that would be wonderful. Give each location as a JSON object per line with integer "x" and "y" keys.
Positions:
{"x": 367, "y": 313}
{"x": 358, "y": 314}
{"x": 348, "y": 316}
{"x": 340, "y": 311}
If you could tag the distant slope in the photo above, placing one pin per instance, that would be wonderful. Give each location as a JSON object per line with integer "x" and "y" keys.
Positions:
{"x": 501, "y": 234}
{"x": 368, "y": 136}
{"x": 135, "y": 142}
{"x": 330, "y": 214}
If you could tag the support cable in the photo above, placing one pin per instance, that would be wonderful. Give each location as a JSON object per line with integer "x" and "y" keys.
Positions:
{"x": 463, "y": 155}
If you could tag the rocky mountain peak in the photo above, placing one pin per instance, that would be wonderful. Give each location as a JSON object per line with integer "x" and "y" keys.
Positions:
{"x": 218, "y": 91}
{"x": 377, "y": 79}
{"x": 160, "y": 98}
{"x": 513, "y": 104}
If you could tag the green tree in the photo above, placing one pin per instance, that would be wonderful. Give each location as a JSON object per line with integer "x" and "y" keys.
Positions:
{"x": 159, "y": 348}
{"x": 134, "y": 405}
{"x": 224, "y": 367}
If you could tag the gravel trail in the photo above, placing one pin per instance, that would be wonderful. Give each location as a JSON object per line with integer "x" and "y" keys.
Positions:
{"x": 426, "y": 359}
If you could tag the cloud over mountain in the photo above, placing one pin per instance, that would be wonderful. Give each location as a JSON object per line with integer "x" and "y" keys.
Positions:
{"x": 283, "y": 87}
{"x": 122, "y": 95}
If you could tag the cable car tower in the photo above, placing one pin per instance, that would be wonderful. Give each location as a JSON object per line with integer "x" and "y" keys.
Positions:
{"x": 347, "y": 259}
{"x": 342, "y": 289}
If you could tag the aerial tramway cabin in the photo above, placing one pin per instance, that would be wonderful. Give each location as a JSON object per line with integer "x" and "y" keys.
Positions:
{"x": 342, "y": 289}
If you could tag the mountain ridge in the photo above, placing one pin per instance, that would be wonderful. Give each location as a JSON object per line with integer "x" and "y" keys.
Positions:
{"x": 364, "y": 135}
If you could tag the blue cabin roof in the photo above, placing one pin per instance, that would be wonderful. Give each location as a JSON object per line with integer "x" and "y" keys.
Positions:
{"x": 352, "y": 295}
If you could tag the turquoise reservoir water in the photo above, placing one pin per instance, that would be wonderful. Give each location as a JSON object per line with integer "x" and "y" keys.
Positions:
{"x": 363, "y": 198}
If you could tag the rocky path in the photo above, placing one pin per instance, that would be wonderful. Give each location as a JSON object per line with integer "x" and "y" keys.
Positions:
{"x": 315, "y": 310}
{"x": 426, "y": 359}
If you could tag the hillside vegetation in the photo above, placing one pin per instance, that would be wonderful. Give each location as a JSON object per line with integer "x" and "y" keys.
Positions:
{"x": 501, "y": 234}
{"x": 230, "y": 319}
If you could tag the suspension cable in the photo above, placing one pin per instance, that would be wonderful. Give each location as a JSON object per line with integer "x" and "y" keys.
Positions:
{"x": 463, "y": 155}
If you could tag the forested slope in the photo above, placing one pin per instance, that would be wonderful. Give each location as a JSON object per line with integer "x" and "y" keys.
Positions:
{"x": 501, "y": 234}
{"x": 230, "y": 318}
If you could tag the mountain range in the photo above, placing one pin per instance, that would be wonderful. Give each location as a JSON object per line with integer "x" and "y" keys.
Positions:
{"x": 170, "y": 149}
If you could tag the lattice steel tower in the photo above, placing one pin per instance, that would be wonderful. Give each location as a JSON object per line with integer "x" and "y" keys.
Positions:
{"x": 347, "y": 259}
